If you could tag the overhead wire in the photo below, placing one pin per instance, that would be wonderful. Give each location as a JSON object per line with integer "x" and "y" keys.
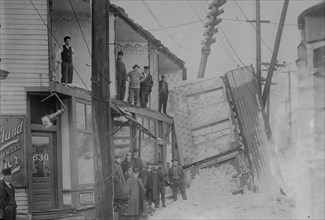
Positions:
{"x": 198, "y": 16}
{"x": 241, "y": 10}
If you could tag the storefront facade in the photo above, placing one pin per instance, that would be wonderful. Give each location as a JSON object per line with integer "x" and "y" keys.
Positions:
{"x": 54, "y": 167}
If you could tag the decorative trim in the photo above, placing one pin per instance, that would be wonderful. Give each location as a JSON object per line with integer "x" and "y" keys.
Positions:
{"x": 70, "y": 18}
{"x": 132, "y": 47}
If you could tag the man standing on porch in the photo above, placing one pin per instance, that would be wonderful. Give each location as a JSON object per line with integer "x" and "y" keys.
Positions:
{"x": 120, "y": 76}
{"x": 134, "y": 78}
{"x": 64, "y": 56}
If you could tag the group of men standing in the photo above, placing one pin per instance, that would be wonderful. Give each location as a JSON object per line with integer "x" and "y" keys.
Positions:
{"x": 134, "y": 184}
{"x": 140, "y": 85}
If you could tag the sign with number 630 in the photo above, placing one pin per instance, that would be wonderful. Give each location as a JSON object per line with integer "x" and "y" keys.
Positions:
{"x": 40, "y": 157}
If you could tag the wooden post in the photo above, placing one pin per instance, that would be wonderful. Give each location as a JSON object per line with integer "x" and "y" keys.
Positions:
{"x": 267, "y": 87}
{"x": 103, "y": 152}
{"x": 258, "y": 45}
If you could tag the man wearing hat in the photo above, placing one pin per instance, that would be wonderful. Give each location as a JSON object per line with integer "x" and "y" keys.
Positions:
{"x": 119, "y": 184}
{"x": 120, "y": 76}
{"x": 134, "y": 78}
{"x": 146, "y": 176}
{"x": 8, "y": 204}
{"x": 163, "y": 180}
{"x": 137, "y": 162}
{"x": 177, "y": 180}
{"x": 145, "y": 87}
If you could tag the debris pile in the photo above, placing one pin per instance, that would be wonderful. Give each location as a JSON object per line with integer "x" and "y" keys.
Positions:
{"x": 210, "y": 197}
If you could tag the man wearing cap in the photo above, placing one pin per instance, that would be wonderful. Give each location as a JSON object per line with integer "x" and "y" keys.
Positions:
{"x": 64, "y": 56}
{"x": 8, "y": 204}
{"x": 120, "y": 76}
{"x": 134, "y": 78}
{"x": 137, "y": 162}
{"x": 145, "y": 87}
{"x": 119, "y": 184}
{"x": 177, "y": 180}
{"x": 163, "y": 180}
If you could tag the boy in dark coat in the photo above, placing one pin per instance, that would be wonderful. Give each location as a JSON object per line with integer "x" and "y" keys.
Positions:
{"x": 8, "y": 206}
{"x": 163, "y": 94}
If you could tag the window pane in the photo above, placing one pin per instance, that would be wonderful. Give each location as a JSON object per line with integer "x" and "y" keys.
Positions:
{"x": 81, "y": 117}
{"x": 85, "y": 148}
{"x": 41, "y": 158}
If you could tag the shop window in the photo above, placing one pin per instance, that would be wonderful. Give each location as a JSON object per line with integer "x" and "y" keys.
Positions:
{"x": 85, "y": 145}
{"x": 160, "y": 129}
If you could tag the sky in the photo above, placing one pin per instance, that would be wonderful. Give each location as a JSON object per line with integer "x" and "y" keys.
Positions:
{"x": 178, "y": 24}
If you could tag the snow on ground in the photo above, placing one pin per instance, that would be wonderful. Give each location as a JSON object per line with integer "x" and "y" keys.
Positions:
{"x": 209, "y": 197}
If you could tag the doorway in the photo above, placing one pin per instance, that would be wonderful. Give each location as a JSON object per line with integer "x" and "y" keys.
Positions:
{"x": 43, "y": 171}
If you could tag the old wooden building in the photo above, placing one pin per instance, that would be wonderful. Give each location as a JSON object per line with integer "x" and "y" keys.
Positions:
{"x": 53, "y": 167}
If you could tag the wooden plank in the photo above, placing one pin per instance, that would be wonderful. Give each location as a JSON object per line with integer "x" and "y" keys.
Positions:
{"x": 25, "y": 61}
{"x": 24, "y": 32}
{"x": 20, "y": 11}
{"x": 24, "y": 42}
{"x": 16, "y": 76}
{"x": 22, "y": 17}
{"x": 12, "y": 97}
{"x": 31, "y": 70}
{"x": 5, "y": 6}
{"x": 23, "y": 47}
{"x": 22, "y": 21}
{"x": 43, "y": 82}
{"x": 24, "y": 37}
{"x": 19, "y": 57}
{"x": 13, "y": 111}
{"x": 25, "y": 2}
{"x": 24, "y": 26}
{"x": 24, "y": 52}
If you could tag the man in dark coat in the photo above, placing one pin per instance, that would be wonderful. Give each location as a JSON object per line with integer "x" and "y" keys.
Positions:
{"x": 8, "y": 206}
{"x": 137, "y": 162}
{"x": 119, "y": 184}
{"x": 163, "y": 94}
{"x": 127, "y": 162}
{"x": 177, "y": 180}
{"x": 146, "y": 176}
{"x": 120, "y": 76}
{"x": 155, "y": 185}
{"x": 145, "y": 87}
{"x": 163, "y": 180}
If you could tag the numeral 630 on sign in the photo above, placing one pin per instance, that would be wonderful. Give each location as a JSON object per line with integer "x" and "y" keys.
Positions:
{"x": 40, "y": 157}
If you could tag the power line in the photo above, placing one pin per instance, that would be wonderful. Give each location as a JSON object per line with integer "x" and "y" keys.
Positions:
{"x": 267, "y": 46}
{"x": 224, "y": 34}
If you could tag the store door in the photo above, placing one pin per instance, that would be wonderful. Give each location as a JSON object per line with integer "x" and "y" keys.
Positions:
{"x": 43, "y": 167}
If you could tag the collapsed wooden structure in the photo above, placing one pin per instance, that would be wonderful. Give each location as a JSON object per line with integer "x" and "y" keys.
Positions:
{"x": 217, "y": 118}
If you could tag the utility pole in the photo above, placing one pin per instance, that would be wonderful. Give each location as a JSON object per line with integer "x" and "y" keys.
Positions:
{"x": 103, "y": 153}
{"x": 258, "y": 45}
{"x": 211, "y": 30}
{"x": 267, "y": 87}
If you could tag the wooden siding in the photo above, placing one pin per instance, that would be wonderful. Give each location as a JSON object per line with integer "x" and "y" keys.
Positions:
{"x": 255, "y": 131}
{"x": 22, "y": 201}
{"x": 24, "y": 51}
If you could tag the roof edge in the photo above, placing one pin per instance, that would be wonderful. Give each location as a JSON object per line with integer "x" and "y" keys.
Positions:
{"x": 301, "y": 17}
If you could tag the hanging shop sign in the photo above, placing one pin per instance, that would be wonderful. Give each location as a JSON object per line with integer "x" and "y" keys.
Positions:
{"x": 12, "y": 147}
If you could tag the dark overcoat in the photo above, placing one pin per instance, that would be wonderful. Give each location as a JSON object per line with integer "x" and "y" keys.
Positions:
{"x": 7, "y": 201}
{"x": 119, "y": 181}
{"x": 135, "y": 192}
